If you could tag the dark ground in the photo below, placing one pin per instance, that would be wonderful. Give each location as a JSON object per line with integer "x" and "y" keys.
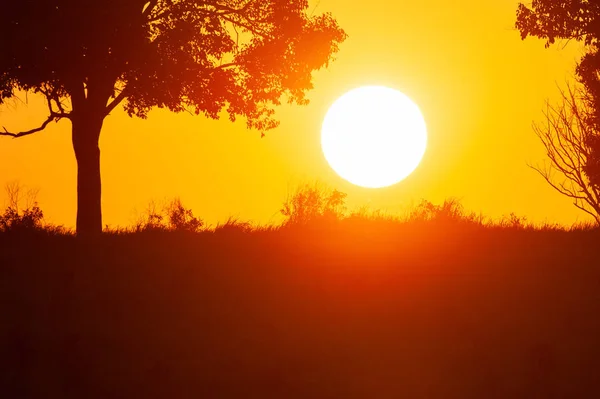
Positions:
{"x": 364, "y": 310}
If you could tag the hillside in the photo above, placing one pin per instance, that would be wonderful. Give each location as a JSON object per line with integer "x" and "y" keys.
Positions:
{"x": 354, "y": 309}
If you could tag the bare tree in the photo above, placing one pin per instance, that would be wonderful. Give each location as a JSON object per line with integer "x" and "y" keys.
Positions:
{"x": 571, "y": 137}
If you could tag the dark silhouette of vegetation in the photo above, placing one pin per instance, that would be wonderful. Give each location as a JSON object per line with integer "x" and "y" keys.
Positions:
{"x": 439, "y": 303}
{"x": 173, "y": 217}
{"x": 313, "y": 203}
{"x": 570, "y": 143}
{"x": 236, "y": 226}
{"x": 571, "y": 131}
{"x": 22, "y": 214}
{"x": 88, "y": 57}
{"x": 450, "y": 210}
{"x": 575, "y": 20}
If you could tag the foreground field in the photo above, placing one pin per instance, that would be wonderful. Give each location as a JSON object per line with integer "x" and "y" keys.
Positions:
{"x": 355, "y": 309}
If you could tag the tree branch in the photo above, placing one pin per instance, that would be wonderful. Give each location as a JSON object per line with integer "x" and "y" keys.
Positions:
{"x": 52, "y": 94}
{"x": 117, "y": 100}
{"x": 595, "y": 216}
{"x": 227, "y": 65}
{"x": 53, "y": 117}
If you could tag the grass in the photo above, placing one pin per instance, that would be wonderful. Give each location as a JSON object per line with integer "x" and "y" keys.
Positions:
{"x": 438, "y": 304}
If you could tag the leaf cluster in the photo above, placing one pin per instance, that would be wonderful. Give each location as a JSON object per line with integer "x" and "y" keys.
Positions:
{"x": 577, "y": 20}
{"x": 200, "y": 56}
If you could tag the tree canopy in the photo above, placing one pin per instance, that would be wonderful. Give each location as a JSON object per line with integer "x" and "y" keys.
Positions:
{"x": 198, "y": 55}
{"x": 577, "y": 20}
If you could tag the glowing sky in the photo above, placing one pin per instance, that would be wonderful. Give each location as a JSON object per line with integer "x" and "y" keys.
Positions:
{"x": 478, "y": 85}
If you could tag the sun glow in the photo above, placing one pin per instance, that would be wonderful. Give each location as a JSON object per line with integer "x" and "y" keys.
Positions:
{"x": 374, "y": 136}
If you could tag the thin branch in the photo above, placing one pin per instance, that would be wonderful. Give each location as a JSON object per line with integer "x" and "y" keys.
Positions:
{"x": 227, "y": 65}
{"x": 117, "y": 100}
{"x": 54, "y": 117}
{"x": 546, "y": 177}
{"x": 53, "y": 95}
{"x": 564, "y": 136}
{"x": 595, "y": 216}
{"x": 248, "y": 26}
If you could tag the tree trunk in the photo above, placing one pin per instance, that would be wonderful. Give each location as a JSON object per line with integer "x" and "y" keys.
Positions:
{"x": 86, "y": 133}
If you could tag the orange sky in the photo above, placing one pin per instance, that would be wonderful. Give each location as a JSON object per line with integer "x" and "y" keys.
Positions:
{"x": 478, "y": 85}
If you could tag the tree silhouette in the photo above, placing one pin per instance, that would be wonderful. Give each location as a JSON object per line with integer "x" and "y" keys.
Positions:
{"x": 571, "y": 145}
{"x": 88, "y": 57}
{"x": 577, "y": 20}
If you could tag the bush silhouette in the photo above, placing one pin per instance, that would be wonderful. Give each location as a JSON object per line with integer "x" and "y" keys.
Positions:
{"x": 451, "y": 210}
{"x": 174, "y": 216}
{"x": 27, "y": 219}
{"x": 181, "y": 218}
{"x": 23, "y": 212}
{"x": 313, "y": 202}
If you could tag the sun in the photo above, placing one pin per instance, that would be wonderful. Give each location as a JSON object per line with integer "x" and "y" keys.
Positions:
{"x": 374, "y": 136}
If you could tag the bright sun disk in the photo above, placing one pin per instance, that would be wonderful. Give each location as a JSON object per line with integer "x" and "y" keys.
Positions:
{"x": 374, "y": 136}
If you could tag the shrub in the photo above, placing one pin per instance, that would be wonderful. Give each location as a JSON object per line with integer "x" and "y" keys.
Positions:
{"x": 173, "y": 217}
{"x": 22, "y": 212}
{"x": 181, "y": 218}
{"x": 450, "y": 210}
{"x": 313, "y": 202}
{"x": 17, "y": 220}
